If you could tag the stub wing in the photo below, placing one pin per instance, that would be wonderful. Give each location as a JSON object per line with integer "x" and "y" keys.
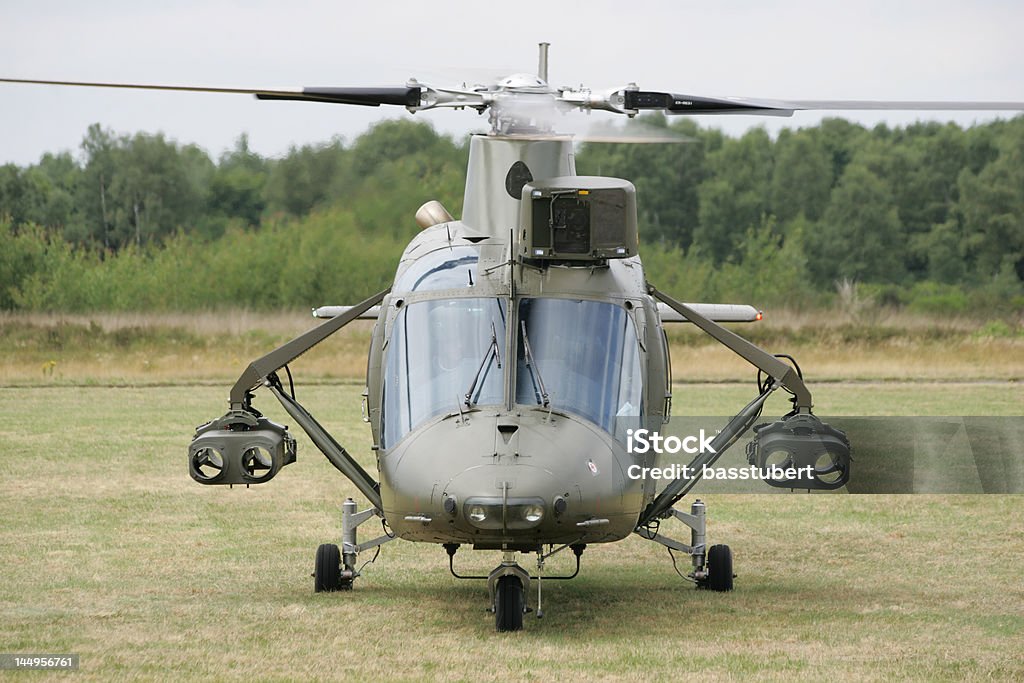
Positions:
{"x": 334, "y": 311}
{"x": 719, "y": 313}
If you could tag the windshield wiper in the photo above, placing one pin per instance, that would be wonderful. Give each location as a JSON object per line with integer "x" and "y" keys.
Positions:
{"x": 492, "y": 348}
{"x": 542, "y": 398}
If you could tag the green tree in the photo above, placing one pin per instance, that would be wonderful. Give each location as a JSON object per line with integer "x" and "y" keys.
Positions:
{"x": 99, "y": 148}
{"x": 841, "y": 140}
{"x": 156, "y": 189}
{"x": 943, "y": 252}
{"x": 737, "y": 195}
{"x": 236, "y": 189}
{"x": 991, "y": 210}
{"x": 140, "y": 188}
{"x": 394, "y": 139}
{"x": 859, "y": 237}
{"x": 666, "y": 177}
{"x": 22, "y": 254}
{"x": 63, "y": 175}
{"x": 24, "y": 194}
{"x": 802, "y": 177}
{"x": 303, "y": 178}
{"x": 395, "y": 167}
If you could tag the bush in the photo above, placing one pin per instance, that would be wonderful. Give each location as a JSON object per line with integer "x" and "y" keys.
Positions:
{"x": 998, "y": 329}
{"x": 937, "y": 298}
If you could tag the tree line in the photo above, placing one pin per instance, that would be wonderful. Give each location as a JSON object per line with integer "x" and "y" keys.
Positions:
{"x": 929, "y": 215}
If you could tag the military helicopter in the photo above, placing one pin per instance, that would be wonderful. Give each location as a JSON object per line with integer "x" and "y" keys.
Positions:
{"x": 516, "y": 353}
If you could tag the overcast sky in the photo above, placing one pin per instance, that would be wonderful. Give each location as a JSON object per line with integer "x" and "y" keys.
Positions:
{"x": 881, "y": 49}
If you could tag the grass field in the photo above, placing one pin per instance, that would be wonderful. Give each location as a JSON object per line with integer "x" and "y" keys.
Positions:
{"x": 109, "y": 550}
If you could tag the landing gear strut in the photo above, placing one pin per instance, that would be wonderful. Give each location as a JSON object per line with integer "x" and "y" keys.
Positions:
{"x": 508, "y": 583}
{"x": 335, "y": 568}
{"x": 712, "y": 568}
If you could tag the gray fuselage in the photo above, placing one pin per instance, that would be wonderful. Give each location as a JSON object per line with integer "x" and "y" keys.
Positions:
{"x": 500, "y": 392}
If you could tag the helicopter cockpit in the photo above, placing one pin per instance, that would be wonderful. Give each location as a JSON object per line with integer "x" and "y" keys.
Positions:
{"x": 443, "y": 353}
{"x": 447, "y": 355}
{"x": 581, "y": 357}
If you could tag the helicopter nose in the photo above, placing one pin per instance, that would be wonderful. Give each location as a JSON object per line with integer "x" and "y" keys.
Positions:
{"x": 499, "y": 504}
{"x": 542, "y": 472}
{"x": 508, "y": 498}
{"x": 522, "y": 477}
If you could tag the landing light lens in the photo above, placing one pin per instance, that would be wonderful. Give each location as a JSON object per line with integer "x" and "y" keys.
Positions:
{"x": 477, "y": 513}
{"x": 533, "y": 513}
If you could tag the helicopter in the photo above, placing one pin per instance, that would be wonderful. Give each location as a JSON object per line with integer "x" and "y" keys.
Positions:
{"x": 519, "y": 353}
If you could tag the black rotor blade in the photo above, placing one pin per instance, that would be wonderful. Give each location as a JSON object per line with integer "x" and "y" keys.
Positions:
{"x": 688, "y": 104}
{"x": 372, "y": 97}
{"x": 367, "y": 97}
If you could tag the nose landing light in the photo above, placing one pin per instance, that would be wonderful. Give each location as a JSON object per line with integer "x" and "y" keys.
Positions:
{"x": 518, "y": 515}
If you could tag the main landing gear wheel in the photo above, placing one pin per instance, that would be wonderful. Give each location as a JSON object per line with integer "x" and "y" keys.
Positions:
{"x": 719, "y": 568}
{"x": 509, "y": 604}
{"x": 327, "y": 571}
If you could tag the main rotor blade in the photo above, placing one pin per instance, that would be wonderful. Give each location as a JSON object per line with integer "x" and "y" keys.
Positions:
{"x": 372, "y": 97}
{"x": 907, "y": 105}
{"x": 689, "y": 104}
{"x": 141, "y": 86}
{"x": 369, "y": 97}
{"x": 634, "y": 100}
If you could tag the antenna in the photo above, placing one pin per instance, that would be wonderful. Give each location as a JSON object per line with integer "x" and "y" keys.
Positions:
{"x": 542, "y": 66}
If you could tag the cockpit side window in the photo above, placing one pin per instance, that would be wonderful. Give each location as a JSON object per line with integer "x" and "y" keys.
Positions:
{"x": 448, "y": 268}
{"x": 584, "y": 355}
{"x": 440, "y": 351}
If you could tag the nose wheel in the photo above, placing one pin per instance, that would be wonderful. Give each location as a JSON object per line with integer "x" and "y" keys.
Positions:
{"x": 507, "y": 585}
{"x": 509, "y": 604}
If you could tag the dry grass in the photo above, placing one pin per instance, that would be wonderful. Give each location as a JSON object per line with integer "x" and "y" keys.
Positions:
{"x": 109, "y": 550}
{"x": 117, "y": 348}
{"x": 158, "y": 348}
{"x": 232, "y": 322}
{"x": 796, "y": 319}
